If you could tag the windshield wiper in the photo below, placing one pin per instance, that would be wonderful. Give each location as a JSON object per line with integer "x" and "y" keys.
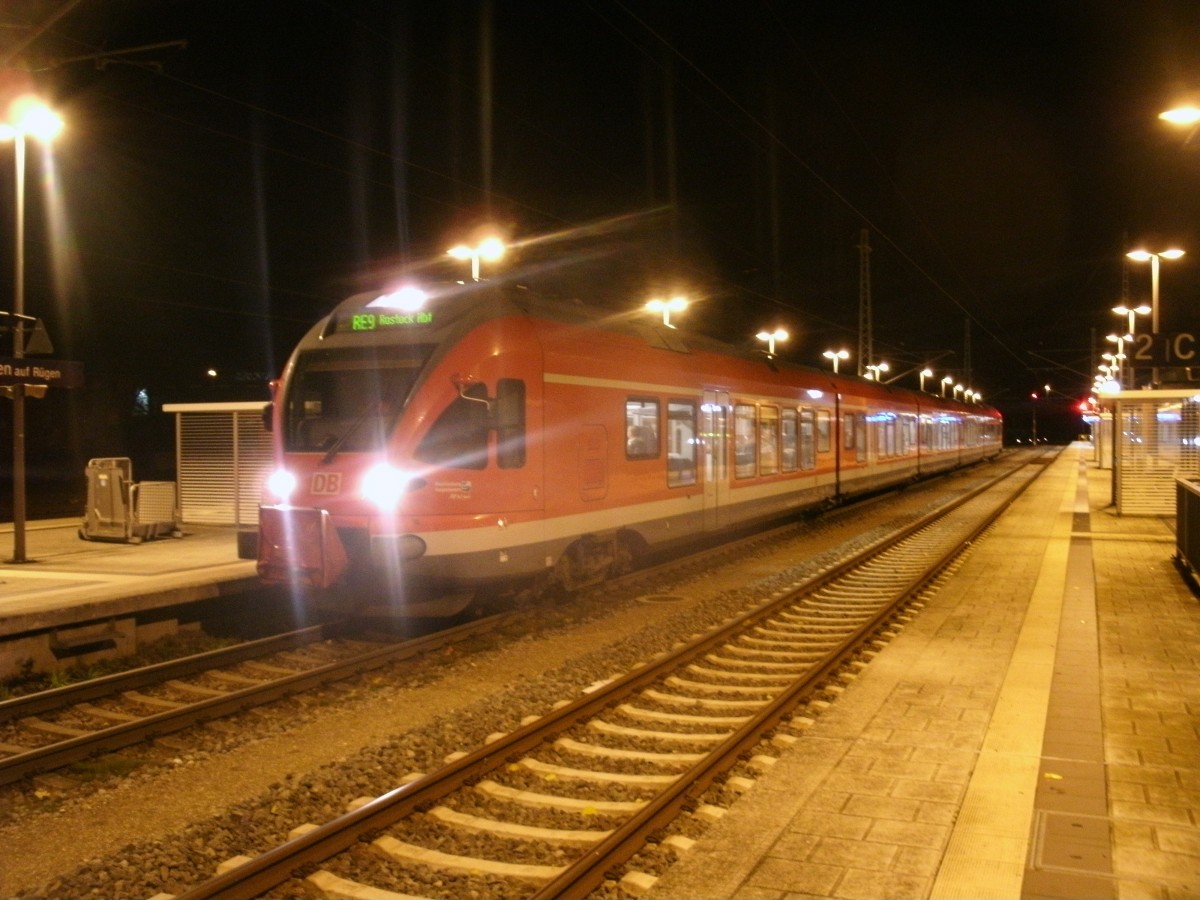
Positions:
{"x": 334, "y": 448}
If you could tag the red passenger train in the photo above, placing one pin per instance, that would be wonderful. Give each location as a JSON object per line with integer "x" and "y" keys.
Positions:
{"x": 482, "y": 435}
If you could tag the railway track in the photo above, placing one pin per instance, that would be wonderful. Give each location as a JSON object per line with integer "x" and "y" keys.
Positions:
{"x": 553, "y": 807}
{"x": 59, "y": 727}
{"x": 55, "y": 728}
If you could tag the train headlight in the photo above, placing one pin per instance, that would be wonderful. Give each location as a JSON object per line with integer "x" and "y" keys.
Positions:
{"x": 280, "y": 485}
{"x": 384, "y": 485}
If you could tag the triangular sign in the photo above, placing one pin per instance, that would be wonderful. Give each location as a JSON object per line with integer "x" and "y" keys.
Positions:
{"x": 39, "y": 342}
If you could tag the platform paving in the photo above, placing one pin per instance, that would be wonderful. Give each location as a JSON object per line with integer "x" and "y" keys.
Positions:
{"x": 1032, "y": 733}
{"x": 66, "y": 580}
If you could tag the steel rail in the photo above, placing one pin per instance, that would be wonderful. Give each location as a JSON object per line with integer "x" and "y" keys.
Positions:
{"x": 94, "y": 688}
{"x": 581, "y": 878}
{"x": 115, "y": 737}
{"x": 258, "y": 875}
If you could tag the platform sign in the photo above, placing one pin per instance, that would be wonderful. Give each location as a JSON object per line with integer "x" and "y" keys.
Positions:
{"x": 55, "y": 373}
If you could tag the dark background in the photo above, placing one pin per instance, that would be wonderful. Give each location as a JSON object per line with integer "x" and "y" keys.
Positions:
{"x": 230, "y": 169}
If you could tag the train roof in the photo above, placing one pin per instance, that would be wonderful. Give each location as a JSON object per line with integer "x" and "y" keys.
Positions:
{"x": 452, "y": 308}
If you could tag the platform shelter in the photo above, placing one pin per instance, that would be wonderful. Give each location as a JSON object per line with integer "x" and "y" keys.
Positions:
{"x": 222, "y": 456}
{"x": 1156, "y": 440}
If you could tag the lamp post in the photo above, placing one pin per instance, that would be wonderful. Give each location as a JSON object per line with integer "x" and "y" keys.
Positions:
{"x": 27, "y": 117}
{"x": 1130, "y": 312}
{"x": 1124, "y": 310}
{"x": 1143, "y": 256}
{"x": 874, "y": 371}
{"x": 666, "y": 307}
{"x": 923, "y": 374}
{"x": 957, "y": 388}
{"x": 771, "y": 337}
{"x": 489, "y": 249}
{"x": 945, "y": 381}
{"x": 1119, "y": 357}
{"x": 836, "y": 356}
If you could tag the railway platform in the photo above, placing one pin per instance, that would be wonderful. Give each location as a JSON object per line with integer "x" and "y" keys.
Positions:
{"x": 72, "y": 594}
{"x": 1034, "y": 732}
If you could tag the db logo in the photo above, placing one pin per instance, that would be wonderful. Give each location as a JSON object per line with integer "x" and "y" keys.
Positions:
{"x": 327, "y": 482}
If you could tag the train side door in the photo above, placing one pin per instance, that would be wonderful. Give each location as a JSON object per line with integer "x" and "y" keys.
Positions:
{"x": 714, "y": 425}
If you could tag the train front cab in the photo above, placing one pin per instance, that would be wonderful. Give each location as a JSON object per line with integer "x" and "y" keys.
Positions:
{"x": 462, "y": 507}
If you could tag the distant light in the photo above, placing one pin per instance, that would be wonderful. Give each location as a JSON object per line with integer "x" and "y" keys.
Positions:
{"x": 211, "y": 373}
{"x": 405, "y": 299}
{"x": 815, "y": 394}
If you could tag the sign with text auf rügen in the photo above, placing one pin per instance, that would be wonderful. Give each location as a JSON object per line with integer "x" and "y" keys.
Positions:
{"x": 55, "y": 373}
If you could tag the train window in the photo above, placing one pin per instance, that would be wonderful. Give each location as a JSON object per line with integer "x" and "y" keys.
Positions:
{"x": 860, "y": 438}
{"x": 458, "y": 438}
{"x": 743, "y": 440}
{"x": 787, "y": 428}
{"x": 510, "y": 423}
{"x": 348, "y": 399}
{"x": 768, "y": 440}
{"x": 808, "y": 445}
{"x": 848, "y": 437}
{"x": 681, "y": 443}
{"x": 641, "y": 428}
{"x": 824, "y": 431}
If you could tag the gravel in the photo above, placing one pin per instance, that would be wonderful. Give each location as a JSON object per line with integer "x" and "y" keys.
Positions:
{"x": 239, "y": 785}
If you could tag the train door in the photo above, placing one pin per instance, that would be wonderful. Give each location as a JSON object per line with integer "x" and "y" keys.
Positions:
{"x": 714, "y": 425}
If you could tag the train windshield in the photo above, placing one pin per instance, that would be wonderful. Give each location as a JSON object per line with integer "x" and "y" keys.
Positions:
{"x": 349, "y": 399}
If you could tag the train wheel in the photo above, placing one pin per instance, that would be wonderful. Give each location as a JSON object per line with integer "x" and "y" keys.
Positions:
{"x": 624, "y": 556}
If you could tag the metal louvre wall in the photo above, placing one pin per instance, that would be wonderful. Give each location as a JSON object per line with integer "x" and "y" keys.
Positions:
{"x": 254, "y": 460}
{"x": 222, "y": 458}
{"x": 1157, "y": 445}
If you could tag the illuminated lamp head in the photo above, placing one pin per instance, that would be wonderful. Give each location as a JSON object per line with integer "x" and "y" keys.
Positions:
{"x": 280, "y": 485}
{"x": 406, "y": 299}
{"x": 384, "y": 485}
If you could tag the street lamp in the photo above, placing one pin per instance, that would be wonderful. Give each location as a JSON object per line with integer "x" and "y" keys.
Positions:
{"x": 945, "y": 381}
{"x": 771, "y": 337}
{"x": 874, "y": 371}
{"x": 489, "y": 249}
{"x": 1143, "y": 256}
{"x": 1124, "y": 310}
{"x": 1119, "y": 357}
{"x": 666, "y": 307}
{"x": 27, "y": 117}
{"x": 925, "y": 373}
{"x": 1130, "y": 313}
{"x": 1182, "y": 115}
{"x": 836, "y": 356}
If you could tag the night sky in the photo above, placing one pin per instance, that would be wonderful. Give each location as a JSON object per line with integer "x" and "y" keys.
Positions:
{"x": 230, "y": 169}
